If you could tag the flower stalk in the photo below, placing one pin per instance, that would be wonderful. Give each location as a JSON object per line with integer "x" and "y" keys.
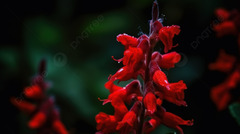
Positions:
{"x": 140, "y": 60}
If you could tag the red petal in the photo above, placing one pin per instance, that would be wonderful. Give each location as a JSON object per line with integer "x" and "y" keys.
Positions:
{"x": 132, "y": 56}
{"x": 172, "y": 120}
{"x": 33, "y": 92}
{"x": 106, "y": 123}
{"x": 225, "y": 28}
{"x": 23, "y": 105}
{"x": 220, "y": 93}
{"x": 166, "y": 35}
{"x": 178, "y": 86}
{"x": 150, "y": 102}
{"x": 129, "y": 119}
{"x": 38, "y": 120}
{"x": 125, "y": 73}
{"x": 119, "y": 93}
{"x": 159, "y": 102}
{"x": 169, "y": 60}
{"x": 160, "y": 78}
{"x": 127, "y": 40}
{"x": 59, "y": 127}
{"x": 224, "y": 62}
{"x": 119, "y": 107}
{"x": 176, "y": 93}
{"x": 222, "y": 14}
{"x": 111, "y": 86}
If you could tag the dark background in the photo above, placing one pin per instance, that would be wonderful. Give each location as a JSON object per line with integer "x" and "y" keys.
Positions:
{"x": 78, "y": 38}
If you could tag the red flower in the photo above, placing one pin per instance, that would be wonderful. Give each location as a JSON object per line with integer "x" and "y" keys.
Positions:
{"x": 44, "y": 117}
{"x": 106, "y": 123}
{"x": 33, "y": 92}
{"x": 226, "y": 63}
{"x": 127, "y": 40}
{"x": 59, "y": 127}
{"x": 37, "y": 120}
{"x": 166, "y": 35}
{"x": 172, "y": 92}
{"x": 24, "y": 106}
{"x": 173, "y": 121}
{"x": 220, "y": 94}
{"x": 139, "y": 109}
{"x": 127, "y": 122}
{"x": 225, "y": 28}
{"x": 150, "y": 102}
{"x": 229, "y": 24}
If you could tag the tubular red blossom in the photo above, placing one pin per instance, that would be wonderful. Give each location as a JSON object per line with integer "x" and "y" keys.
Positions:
{"x": 127, "y": 40}
{"x": 128, "y": 120}
{"x": 132, "y": 57}
{"x": 24, "y": 105}
{"x": 127, "y": 94}
{"x": 106, "y": 123}
{"x": 169, "y": 60}
{"x": 59, "y": 127}
{"x": 222, "y": 13}
{"x": 224, "y": 63}
{"x": 150, "y": 102}
{"x": 220, "y": 94}
{"x": 33, "y": 92}
{"x": 173, "y": 94}
{"x": 166, "y": 35}
{"x": 37, "y": 121}
{"x": 119, "y": 107}
{"x": 173, "y": 121}
{"x": 225, "y": 28}
{"x": 123, "y": 74}
{"x": 166, "y": 61}
{"x": 160, "y": 78}
{"x": 111, "y": 86}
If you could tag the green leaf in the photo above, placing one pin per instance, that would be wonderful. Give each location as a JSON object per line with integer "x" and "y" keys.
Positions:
{"x": 235, "y": 111}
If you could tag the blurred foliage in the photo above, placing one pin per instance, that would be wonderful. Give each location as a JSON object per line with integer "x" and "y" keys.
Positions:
{"x": 235, "y": 111}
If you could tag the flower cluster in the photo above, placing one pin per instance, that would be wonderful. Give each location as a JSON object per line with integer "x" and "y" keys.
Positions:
{"x": 146, "y": 111}
{"x": 226, "y": 63}
{"x": 41, "y": 108}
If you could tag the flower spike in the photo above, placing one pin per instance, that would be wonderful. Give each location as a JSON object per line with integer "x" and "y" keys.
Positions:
{"x": 138, "y": 109}
{"x": 44, "y": 117}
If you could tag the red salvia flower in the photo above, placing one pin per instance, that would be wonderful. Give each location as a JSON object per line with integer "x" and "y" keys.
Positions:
{"x": 44, "y": 116}
{"x": 138, "y": 109}
{"x": 229, "y": 25}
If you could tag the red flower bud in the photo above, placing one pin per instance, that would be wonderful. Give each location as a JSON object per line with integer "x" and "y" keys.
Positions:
{"x": 38, "y": 120}
{"x": 150, "y": 102}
